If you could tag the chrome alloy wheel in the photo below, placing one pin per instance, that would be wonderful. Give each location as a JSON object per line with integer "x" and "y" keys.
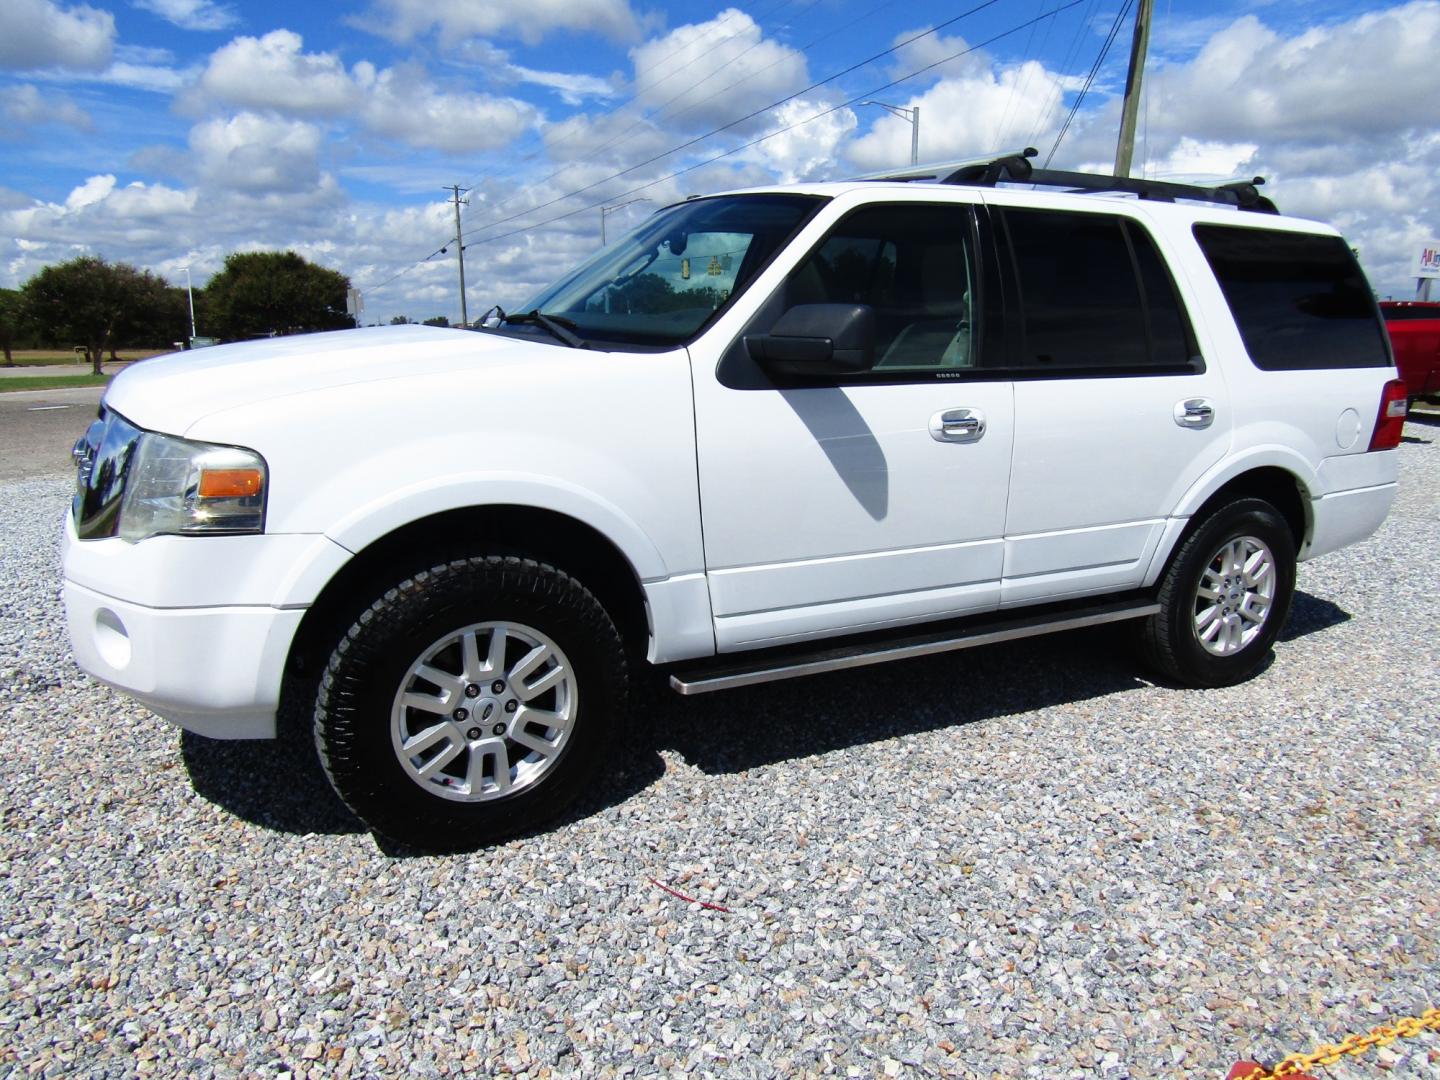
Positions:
{"x": 483, "y": 712}
{"x": 1234, "y": 596}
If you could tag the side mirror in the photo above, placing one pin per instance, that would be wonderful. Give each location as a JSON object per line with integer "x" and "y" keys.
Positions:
{"x": 818, "y": 339}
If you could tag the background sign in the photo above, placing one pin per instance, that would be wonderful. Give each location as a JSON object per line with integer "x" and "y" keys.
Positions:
{"x": 1427, "y": 260}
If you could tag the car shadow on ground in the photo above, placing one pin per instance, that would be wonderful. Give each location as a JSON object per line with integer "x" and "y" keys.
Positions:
{"x": 1309, "y": 614}
{"x": 1429, "y": 419}
{"x": 280, "y": 785}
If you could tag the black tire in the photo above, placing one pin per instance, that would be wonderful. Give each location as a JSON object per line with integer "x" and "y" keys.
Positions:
{"x": 1170, "y": 641}
{"x": 360, "y": 718}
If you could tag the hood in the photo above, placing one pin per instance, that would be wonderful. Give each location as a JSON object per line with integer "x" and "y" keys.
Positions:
{"x": 171, "y": 393}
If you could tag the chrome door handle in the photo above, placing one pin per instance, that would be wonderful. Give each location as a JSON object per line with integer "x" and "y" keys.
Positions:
{"x": 1194, "y": 413}
{"x": 957, "y": 425}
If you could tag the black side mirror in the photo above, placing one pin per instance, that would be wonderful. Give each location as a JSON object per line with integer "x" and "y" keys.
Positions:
{"x": 818, "y": 339}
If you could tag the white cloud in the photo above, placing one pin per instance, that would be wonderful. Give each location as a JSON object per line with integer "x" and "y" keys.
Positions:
{"x": 714, "y": 72}
{"x": 961, "y": 116}
{"x": 257, "y": 154}
{"x": 273, "y": 72}
{"x": 611, "y": 137}
{"x": 494, "y": 63}
{"x": 1203, "y": 159}
{"x": 25, "y": 105}
{"x": 528, "y": 20}
{"x": 404, "y": 105}
{"x": 1374, "y": 73}
{"x": 92, "y": 191}
{"x": 808, "y": 151}
{"x": 934, "y": 52}
{"x": 36, "y": 34}
{"x": 572, "y": 88}
{"x": 191, "y": 14}
{"x": 153, "y": 77}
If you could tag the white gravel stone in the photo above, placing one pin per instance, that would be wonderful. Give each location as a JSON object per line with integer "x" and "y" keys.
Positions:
{"x": 1018, "y": 862}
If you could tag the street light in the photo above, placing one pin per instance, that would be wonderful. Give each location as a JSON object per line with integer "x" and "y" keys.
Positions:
{"x": 912, "y": 115}
{"x": 606, "y": 211}
{"x": 190, "y": 293}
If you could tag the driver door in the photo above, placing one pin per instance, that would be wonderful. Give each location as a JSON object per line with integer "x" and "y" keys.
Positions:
{"x": 842, "y": 504}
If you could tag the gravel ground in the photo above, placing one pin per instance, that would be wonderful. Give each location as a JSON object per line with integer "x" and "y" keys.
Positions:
{"x": 1022, "y": 861}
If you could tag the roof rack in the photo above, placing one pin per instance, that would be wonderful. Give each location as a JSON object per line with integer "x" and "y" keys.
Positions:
{"x": 939, "y": 170}
{"x": 1013, "y": 167}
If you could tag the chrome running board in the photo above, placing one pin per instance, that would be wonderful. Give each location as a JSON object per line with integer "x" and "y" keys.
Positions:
{"x": 986, "y": 631}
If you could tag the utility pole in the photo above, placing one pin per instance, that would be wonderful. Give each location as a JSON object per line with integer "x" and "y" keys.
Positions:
{"x": 456, "y": 191}
{"x": 190, "y": 293}
{"x": 1139, "y": 45}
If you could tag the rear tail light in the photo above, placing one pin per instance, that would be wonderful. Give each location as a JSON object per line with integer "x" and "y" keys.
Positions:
{"x": 1390, "y": 424}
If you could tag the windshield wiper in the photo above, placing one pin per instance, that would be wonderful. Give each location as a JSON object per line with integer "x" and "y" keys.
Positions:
{"x": 559, "y": 327}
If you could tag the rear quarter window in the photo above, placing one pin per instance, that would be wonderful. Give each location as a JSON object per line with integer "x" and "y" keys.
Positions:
{"x": 1299, "y": 299}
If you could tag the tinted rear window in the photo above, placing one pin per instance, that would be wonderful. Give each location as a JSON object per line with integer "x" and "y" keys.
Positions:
{"x": 1299, "y": 300}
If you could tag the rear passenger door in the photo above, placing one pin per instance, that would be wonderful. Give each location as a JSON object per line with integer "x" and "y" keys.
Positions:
{"x": 1117, "y": 413}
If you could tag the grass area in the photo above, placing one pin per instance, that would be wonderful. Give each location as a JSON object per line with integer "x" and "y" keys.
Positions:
{"x": 54, "y": 357}
{"x": 51, "y": 382}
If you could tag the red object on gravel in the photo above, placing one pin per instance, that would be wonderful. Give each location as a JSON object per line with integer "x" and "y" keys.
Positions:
{"x": 1241, "y": 1069}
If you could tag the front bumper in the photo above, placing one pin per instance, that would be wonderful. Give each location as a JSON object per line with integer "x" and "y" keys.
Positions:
{"x": 214, "y": 671}
{"x": 198, "y": 629}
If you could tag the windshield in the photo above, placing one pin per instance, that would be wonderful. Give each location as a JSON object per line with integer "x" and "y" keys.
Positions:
{"x": 663, "y": 282}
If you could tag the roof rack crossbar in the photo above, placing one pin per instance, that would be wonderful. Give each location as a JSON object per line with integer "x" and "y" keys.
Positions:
{"x": 1016, "y": 169}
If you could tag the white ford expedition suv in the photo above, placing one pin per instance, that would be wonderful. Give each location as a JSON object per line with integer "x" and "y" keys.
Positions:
{"x": 770, "y": 433}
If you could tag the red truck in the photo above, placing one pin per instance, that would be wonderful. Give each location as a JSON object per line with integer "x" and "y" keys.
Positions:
{"x": 1415, "y": 334}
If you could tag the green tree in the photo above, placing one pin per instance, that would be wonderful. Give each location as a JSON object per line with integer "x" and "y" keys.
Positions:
{"x": 274, "y": 292}
{"x": 399, "y": 320}
{"x": 438, "y": 320}
{"x": 12, "y": 313}
{"x": 158, "y": 324}
{"x": 94, "y": 302}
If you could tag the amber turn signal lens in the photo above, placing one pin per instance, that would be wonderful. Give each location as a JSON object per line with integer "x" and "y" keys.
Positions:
{"x": 230, "y": 483}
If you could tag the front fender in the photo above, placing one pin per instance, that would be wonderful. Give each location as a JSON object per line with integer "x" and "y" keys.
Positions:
{"x": 368, "y": 523}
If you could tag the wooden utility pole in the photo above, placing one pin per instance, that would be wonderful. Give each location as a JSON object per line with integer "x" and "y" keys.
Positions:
{"x": 456, "y": 191}
{"x": 1139, "y": 45}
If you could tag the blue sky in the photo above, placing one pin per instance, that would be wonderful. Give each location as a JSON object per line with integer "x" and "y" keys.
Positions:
{"x": 169, "y": 133}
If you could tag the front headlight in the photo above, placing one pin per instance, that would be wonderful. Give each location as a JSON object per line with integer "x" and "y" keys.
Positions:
{"x": 183, "y": 487}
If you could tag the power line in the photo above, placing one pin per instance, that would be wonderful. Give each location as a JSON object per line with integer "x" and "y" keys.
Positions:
{"x": 1072, "y": 52}
{"x": 1090, "y": 79}
{"x": 535, "y": 153}
{"x": 773, "y": 105}
{"x": 625, "y": 135}
{"x": 749, "y": 116}
{"x": 779, "y": 131}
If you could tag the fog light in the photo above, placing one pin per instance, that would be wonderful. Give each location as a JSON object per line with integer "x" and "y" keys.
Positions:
{"x": 112, "y": 641}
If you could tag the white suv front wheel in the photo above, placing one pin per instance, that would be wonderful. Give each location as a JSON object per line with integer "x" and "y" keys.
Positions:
{"x": 470, "y": 702}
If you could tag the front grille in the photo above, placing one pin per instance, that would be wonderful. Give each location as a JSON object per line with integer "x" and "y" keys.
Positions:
{"x": 102, "y": 458}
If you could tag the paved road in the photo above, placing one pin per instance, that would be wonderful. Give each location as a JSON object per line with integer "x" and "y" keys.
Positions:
{"x": 38, "y": 427}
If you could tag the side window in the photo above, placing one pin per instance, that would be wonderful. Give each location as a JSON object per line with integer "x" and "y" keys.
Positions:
{"x": 1299, "y": 299}
{"x": 911, "y": 263}
{"x": 1094, "y": 295}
